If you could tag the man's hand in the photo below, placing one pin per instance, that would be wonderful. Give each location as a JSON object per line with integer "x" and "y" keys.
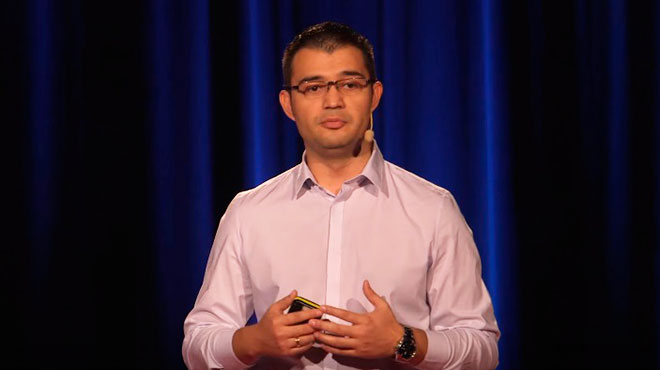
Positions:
{"x": 276, "y": 334}
{"x": 372, "y": 335}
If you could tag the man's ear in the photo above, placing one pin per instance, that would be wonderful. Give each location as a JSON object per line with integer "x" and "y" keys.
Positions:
{"x": 285, "y": 102}
{"x": 377, "y": 93}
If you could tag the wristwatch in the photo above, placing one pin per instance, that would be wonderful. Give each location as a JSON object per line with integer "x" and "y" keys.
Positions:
{"x": 406, "y": 349}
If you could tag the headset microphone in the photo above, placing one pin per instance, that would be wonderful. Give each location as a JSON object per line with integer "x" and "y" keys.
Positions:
{"x": 369, "y": 134}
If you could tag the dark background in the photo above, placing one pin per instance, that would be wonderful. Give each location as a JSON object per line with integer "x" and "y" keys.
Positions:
{"x": 128, "y": 128}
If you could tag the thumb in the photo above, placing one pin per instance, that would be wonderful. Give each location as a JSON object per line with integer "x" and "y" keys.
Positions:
{"x": 282, "y": 304}
{"x": 374, "y": 298}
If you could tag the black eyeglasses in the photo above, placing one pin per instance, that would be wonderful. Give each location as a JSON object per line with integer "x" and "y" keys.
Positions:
{"x": 347, "y": 87}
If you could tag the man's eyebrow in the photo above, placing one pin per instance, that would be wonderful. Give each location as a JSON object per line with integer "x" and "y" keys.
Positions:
{"x": 353, "y": 73}
{"x": 318, "y": 77}
{"x": 310, "y": 78}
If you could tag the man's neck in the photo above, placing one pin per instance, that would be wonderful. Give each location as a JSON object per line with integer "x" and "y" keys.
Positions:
{"x": 332, "y": 171}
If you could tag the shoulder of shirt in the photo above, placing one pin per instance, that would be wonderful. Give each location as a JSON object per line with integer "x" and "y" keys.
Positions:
{"x": 439, "y": 200}
{"x": 423, "y": 187}
{"x": 265, "y": 190}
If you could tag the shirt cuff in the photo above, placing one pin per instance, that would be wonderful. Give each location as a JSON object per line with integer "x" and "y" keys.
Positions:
{"x": 226, "y": 358}
{"x": 437, "y": 353}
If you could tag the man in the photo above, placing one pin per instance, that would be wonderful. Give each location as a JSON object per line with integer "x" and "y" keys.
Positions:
{"x": 387, "y": 254}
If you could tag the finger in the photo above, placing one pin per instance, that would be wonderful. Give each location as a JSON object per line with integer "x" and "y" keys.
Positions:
{"x": 301, "y": 345}
{"x": 300, "y": 350}
{"x": 299, "y": 330}
{"x": 302, "y": 340}
{"x": 339, "y": 351}
{"x": 329, "y": 326}
{"x": 349, "y": 316}
{"x": 295, "y": 318}
{"x": 305, "y": 340}
{"x": 336, "y": 341}
{"x": 371, "y": 295}
{"x": 285, "y": 302}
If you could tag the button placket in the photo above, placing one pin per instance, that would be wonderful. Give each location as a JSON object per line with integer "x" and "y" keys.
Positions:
{"x": 333, "y": 280}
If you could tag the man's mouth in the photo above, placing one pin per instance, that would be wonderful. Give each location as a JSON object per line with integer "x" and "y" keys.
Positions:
{"x": 333, "y": 122}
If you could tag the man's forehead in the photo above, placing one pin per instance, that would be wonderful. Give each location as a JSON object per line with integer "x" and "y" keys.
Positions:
{"x": 343, "y": 60}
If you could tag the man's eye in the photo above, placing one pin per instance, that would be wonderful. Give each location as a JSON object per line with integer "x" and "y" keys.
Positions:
{"x": 312, "y": 88}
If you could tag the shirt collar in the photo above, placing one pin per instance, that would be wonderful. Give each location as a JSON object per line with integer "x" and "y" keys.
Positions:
{"x": 374, "y": 172}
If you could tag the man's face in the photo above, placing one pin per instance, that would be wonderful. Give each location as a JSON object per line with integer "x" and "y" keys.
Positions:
{"x": 334, "y": 122}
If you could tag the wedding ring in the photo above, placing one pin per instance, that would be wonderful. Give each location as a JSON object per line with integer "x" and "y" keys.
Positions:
{"x": 297, "y": 341}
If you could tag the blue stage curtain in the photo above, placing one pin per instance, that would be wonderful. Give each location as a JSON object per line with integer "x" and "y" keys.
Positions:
{"x": 135, "y": 125}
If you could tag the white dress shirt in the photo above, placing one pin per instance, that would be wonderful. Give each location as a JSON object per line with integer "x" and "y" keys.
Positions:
{"x": 404, "y": 234}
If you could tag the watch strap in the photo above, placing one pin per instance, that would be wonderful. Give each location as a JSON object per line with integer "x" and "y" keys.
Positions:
{"x": 406, "y": 349}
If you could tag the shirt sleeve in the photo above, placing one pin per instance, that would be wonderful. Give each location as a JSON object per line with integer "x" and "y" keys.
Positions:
{"x": 463, "y": 332}
{"x": 224, "y": 303}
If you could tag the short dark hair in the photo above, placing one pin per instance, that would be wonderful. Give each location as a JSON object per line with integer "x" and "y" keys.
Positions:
{"x": 328, "y": 36}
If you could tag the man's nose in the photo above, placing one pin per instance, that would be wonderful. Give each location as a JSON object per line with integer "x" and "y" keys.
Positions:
{"x": 333, "y": 98}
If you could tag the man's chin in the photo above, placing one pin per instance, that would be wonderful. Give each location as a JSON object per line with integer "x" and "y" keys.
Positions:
{"x": 337, "y": 146}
